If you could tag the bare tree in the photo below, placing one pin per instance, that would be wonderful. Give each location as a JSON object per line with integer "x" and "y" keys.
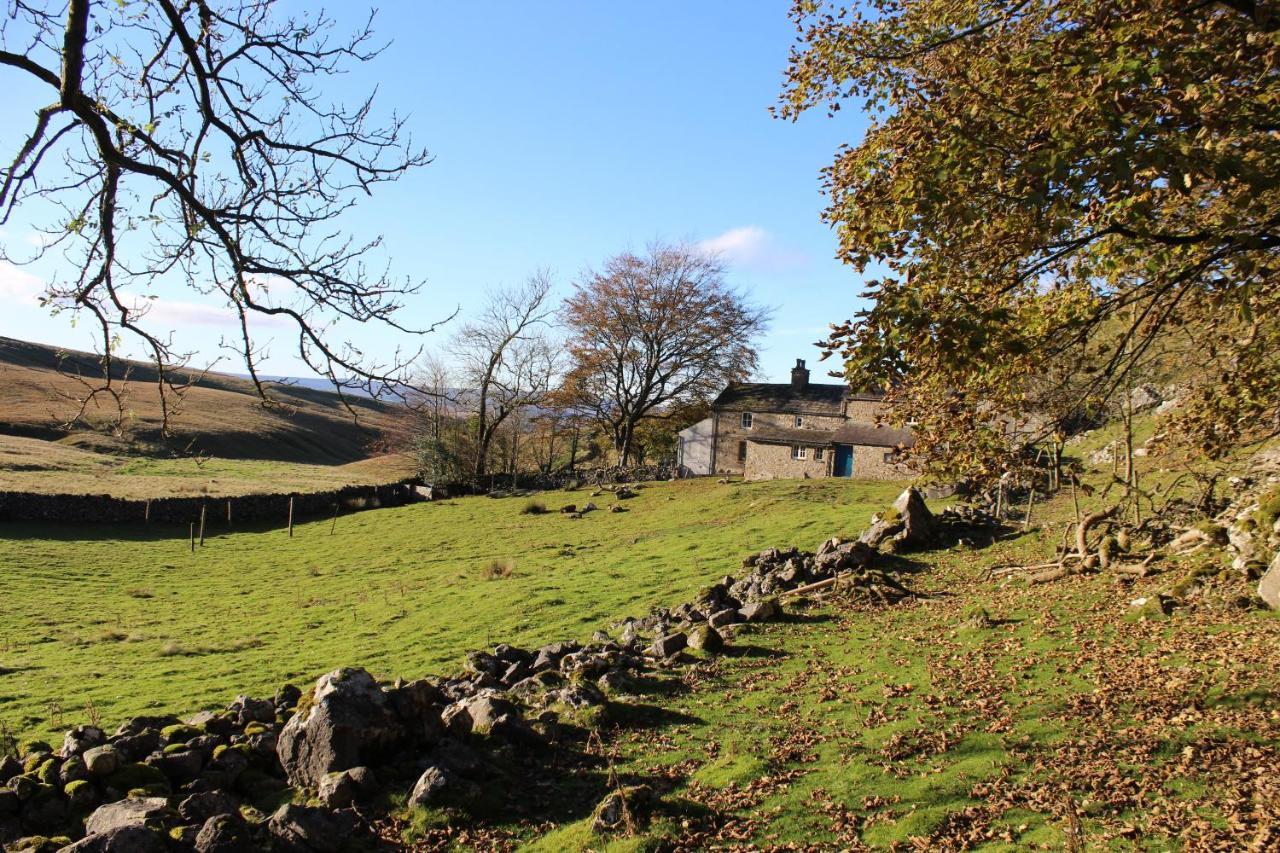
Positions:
{"x": 505, "y": 359}
{"x": 190, "y": 144}
{"x": 650, "y": 331}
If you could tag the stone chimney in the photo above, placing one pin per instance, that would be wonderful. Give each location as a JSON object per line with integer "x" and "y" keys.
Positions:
{"x": 799, "y": 375}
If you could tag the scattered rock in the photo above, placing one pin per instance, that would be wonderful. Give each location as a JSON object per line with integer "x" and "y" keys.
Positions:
{"x": 706, "y": 638}
{"x": 761, "y": 611}
{"x": 439, "y": 786}
{"x": 624, "y": 809}
{"x": 665, "y": 647}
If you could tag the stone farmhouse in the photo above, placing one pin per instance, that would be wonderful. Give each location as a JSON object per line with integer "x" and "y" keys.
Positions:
{"x": 800, "y": 429}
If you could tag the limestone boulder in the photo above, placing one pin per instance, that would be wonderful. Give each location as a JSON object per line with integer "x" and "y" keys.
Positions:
{"x": 349, "y": 723}
{"x": 139, "y": 812}
{"x": 125, "y": 839}
{"x": 909, "y": 524}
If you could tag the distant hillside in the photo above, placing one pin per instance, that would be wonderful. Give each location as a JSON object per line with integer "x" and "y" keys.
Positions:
{"x": 220, "y": 416}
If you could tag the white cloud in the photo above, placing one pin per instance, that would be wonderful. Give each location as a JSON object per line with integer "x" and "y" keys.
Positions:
{"x": 19, "y": 287}
{"x": 177, "y": 314}
{"x": 751, "y": 247}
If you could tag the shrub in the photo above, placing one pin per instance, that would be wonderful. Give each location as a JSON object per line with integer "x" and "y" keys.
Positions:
{"x": 498, "y": 570}
{"x": 533, "y": 508}
{"x": 572, "y": 485}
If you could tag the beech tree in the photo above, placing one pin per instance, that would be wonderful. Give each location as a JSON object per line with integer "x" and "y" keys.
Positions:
{"x": 652, "y": 331}
{"x": 191, "y": 145}
{"x": 1055, "y": 188}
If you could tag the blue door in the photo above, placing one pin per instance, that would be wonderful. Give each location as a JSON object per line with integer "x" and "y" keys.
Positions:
{"x": 843, "y": 465}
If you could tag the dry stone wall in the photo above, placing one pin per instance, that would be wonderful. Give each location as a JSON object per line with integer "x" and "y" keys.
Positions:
{"x": 272, "y": 508}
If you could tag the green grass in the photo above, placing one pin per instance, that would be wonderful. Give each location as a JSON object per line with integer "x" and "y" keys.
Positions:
{"x": 887, "y": 727}
{"x": 127, "y": 619}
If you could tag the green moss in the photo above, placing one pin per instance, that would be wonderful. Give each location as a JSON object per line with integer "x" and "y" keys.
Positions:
{"x": 35, "y": 747}
{"x": 1268, "y": 511}
{"x": 1192, "y": 581}
{"x": 255, "y": 729}
{"x": 175, "y": 747}
{"x": 48, "y": 772}
{"x": 180, "y": 733}
{"x": 1215, "y": 533}
{"x": 138, "y": 777}
{"x": 72, "y": 788}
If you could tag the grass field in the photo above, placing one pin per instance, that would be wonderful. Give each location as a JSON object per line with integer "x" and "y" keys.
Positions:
{"x": 35, "y": 465}
{"x": 128, "y": 620}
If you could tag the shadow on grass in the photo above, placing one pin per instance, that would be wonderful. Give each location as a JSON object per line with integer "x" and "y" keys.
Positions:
{"x": 644, "y": 716}
{"x": 757, "y": 652}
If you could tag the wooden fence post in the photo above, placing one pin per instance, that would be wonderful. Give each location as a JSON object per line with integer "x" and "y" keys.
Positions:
{"x": 290, "y": 516}
{"x": 228, "y": 512}
{"x": 334, "y": 526}
{"x": 191, "y": 536}
{"x": 203, "y": 508}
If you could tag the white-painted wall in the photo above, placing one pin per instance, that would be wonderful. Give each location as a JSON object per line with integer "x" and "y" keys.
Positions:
{"x": 693, "y": 448}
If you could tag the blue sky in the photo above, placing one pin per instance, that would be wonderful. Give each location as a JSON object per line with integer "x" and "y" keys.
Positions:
{"x": 563, "y": 133}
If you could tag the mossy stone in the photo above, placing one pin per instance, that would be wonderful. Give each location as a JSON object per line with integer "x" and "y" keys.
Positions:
{"x": 81, "y": 793}
{"x": 139, "y": 777}
{"x": 180, "y": 733}
{"x": 48, "y": 772}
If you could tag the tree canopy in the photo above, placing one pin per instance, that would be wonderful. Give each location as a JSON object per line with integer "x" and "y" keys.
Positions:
{"x": 1053, "y": 188}
{"x": 654, "y": 331}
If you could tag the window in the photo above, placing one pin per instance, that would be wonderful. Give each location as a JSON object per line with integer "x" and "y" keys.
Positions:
{"x": 889, "y": 457}
{"x": 799, "y": 451}
{"x": 742, "y": 451}
{"x": 746, "y": 420}
{"x": 799, "y": 421}
{"x": 817, "y": 454}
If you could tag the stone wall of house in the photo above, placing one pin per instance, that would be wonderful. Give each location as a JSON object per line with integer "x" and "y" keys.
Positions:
{"x": 869, "y": 464}
{"x": 774, "y": 462}
{"x": 731, "y": 433}
{"x": 865, "y": 411}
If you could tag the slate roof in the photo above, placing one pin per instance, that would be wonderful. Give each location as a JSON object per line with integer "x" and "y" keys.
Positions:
{"x": 782, "y": 397}
{"x": 780, "y": 435}
{"x": 870, "y": 435}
